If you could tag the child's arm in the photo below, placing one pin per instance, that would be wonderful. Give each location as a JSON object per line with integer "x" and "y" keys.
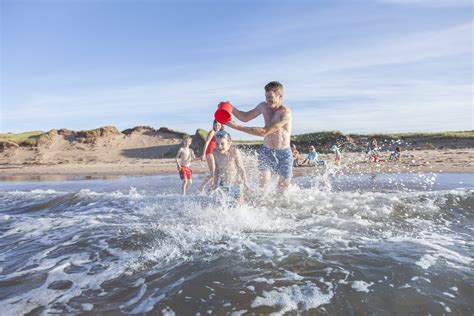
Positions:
{"x": 193, "y": 156}
{"x": 210, "y": 135}
{"x": 215, "y": 178}
{"x": 240, "y": 166}
{"x": 178, "y": 155}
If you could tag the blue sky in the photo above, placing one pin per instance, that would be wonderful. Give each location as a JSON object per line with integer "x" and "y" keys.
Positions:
{"x": 355, "y": 66}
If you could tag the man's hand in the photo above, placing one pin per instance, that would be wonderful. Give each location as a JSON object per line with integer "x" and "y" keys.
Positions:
{"x": 232, "y": 124}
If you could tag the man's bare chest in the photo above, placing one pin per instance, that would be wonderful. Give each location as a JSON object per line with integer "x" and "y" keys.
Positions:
{"x": 272, "y": 117}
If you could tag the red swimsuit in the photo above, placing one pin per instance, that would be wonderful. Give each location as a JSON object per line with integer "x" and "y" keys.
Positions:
{"x": 211, "y": 146}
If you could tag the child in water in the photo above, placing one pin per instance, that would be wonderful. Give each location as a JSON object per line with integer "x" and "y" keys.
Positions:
{"x": 208, "y": 149}
{"x": 229, "y": 175}
{"x": 183, "y": 161}
{"x": 337, "y": 160}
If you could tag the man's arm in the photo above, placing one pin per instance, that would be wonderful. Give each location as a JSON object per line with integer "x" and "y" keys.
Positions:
{"x": 262, "y": 131}
{"x": 247, "y": 116}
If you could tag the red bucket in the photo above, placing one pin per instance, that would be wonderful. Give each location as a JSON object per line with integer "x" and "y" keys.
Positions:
{"x": 224, "y": 112}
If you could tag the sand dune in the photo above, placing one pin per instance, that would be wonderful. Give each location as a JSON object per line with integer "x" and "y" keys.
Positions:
{"x": 108, "y": 145}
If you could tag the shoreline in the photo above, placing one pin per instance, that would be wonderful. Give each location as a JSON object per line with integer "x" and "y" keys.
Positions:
{"x": 445, "y": 161}
{"x": 97, "y": 176}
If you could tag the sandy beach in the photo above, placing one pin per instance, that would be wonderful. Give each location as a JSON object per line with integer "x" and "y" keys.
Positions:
{"x": 106, "y": 152}
{"x": 412, "y": 161}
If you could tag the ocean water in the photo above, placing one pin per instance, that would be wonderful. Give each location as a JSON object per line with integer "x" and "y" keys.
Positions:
{"x": 340, "y": 245}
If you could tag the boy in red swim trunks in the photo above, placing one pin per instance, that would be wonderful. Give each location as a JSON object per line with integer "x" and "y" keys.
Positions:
{"x": 183, "y": 161}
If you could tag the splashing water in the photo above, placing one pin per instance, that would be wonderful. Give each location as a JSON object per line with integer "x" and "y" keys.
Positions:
{"x": 395, "y": 244}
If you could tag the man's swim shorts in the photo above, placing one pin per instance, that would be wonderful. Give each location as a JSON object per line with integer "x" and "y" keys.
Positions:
{"x": 276, "y": 160}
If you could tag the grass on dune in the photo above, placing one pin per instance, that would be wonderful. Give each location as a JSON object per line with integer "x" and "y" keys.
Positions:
{"x": 28, "y": 138}
{"x": 202, "y": 133}
{"x": 248, "y": 142}
{"x": 311, "y": 137}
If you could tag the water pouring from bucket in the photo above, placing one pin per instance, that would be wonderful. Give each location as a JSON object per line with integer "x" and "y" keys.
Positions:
{"x": 224, "y": 112}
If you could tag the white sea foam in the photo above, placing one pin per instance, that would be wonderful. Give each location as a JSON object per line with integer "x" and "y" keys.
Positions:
{"x": 446, "y": 307}
{"x": 426, "y": 261}
{"x": 293, "y": 298}
{"x": 264, "y": 280}
{"x": 87, "y": 307}
{"x": 293, "y": 276}
{"x": 167, "y": 312}
{"x": 361, "y": 286}
{"x": 132, "y": 194}
{"x": 44, "y": 296}
{"x": 47, "y": 191}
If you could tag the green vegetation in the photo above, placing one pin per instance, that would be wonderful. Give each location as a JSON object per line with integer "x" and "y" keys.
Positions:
{"x": 248, "y": 142}
{"x": 27, "y": 138}
{"x": 315, "y": 137}
{"x": 321, "y": 136}
{"x": 96, "y": 131}
{"x": 90, "y": 131}
{"x": 202, "y": 133}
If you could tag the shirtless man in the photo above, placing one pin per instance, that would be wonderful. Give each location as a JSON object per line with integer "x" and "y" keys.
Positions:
{"x": 229, "y": 173}
{"x": 275, "y": 154}
{"x": 183, "y": 162}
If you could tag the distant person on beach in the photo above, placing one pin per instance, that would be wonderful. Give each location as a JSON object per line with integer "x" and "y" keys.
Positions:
{"x": 229, "y": 176}
{"x": 312, "y": 159}
{"x": 296, "y": 155}
{"x": 274, "y": 156}
{"x": 373, "y": 151}
{"x": 337, "y": 160}
{"x": 183, "y": 161}
{"x": 395, "y": 155}
{"x": 207, "y": 151}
